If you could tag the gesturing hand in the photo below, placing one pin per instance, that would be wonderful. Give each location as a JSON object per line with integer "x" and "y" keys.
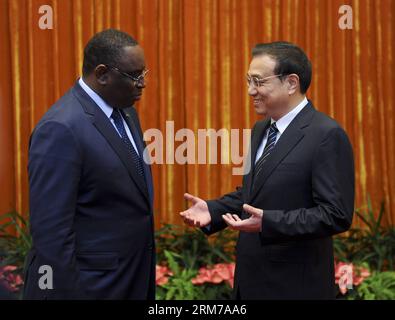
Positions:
{"x": 197, "y": 215}
{"x": 252, "y": 224}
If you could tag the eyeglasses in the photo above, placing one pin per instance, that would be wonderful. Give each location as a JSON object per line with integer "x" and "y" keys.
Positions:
{"x": 258, "y": 82}
{"x": 137, "y": 80}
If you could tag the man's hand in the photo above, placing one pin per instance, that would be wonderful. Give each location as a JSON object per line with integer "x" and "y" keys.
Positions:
{"x": 252, "y": 224}
{"x": 197, "y": 215}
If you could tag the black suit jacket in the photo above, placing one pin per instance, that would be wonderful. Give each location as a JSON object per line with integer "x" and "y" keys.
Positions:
{"x": 90, "y": 211}
{"x": 306, "y": 191}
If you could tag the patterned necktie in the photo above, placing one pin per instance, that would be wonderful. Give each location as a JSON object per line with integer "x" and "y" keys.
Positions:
{"x": 116, "y": 115}
{"x": 271, "y": 141}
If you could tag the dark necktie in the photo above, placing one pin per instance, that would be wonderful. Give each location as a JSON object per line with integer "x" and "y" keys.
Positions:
{"x": 271, "y": 141}
{"x": 117, "y": 117}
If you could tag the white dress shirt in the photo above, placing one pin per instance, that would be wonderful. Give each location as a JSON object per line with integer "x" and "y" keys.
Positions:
{"x": 107, "y": 110}
{"x": 281, "y": 124}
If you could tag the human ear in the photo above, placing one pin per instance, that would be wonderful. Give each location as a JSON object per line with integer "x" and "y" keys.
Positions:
{"x": 292, "y": 83}
{"x": 101, "y": 74}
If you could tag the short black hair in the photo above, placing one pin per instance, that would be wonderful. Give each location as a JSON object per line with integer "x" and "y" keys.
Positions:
{"x": 105, "y": 47}
{"x": 289, "y": 59}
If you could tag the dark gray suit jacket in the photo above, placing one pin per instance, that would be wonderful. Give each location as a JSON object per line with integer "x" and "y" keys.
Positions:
{"x": 306, "y": 191}
{"x": 91, "y": 213}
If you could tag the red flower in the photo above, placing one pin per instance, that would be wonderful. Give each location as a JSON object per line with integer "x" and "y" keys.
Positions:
{"x": 360, "y": 275}
{"x": 347, "y": 275}
{"x": 216, "y": 274}
{"x": 162, "y": 273}
{"x": 10, "y": 280}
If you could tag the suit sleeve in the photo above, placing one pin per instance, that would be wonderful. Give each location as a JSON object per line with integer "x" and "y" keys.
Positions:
{"x": 54, "y": 172}
{"x": 231, "y": 202}
{"x": 333, "y": 194}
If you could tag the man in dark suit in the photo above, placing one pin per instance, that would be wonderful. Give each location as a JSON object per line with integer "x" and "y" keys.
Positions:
{"x": 298, "y": 193}
{"x": 91, "y": 193}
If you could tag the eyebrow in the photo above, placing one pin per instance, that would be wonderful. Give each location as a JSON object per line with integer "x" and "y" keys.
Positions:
{"x": 254, "y": 75}
{"x": 136, "y": 70}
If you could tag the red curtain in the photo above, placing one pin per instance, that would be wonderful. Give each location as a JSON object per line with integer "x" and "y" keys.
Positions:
{"x": 198, "y": 52}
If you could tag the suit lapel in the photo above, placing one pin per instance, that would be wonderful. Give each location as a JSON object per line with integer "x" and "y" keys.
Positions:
{"x": 288, "y": 140}
{"x": 104, "y": 126}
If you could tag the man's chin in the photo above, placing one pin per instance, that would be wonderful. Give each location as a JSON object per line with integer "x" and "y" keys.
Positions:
{"x": 260, "y": 110}
{"x": 128, "y": 104}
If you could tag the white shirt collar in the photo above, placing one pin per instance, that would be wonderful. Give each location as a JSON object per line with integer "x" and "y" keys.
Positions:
{"x": 95, "y": 97}
{"x": 284, "y": 121}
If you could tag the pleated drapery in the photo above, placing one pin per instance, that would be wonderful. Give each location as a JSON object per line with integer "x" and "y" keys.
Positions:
{"x": 198, "y": 52}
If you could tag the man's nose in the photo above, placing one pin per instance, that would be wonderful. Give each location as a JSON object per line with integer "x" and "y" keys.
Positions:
{"x": 252, "y": 91}
{"x": 140, "y": 84}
